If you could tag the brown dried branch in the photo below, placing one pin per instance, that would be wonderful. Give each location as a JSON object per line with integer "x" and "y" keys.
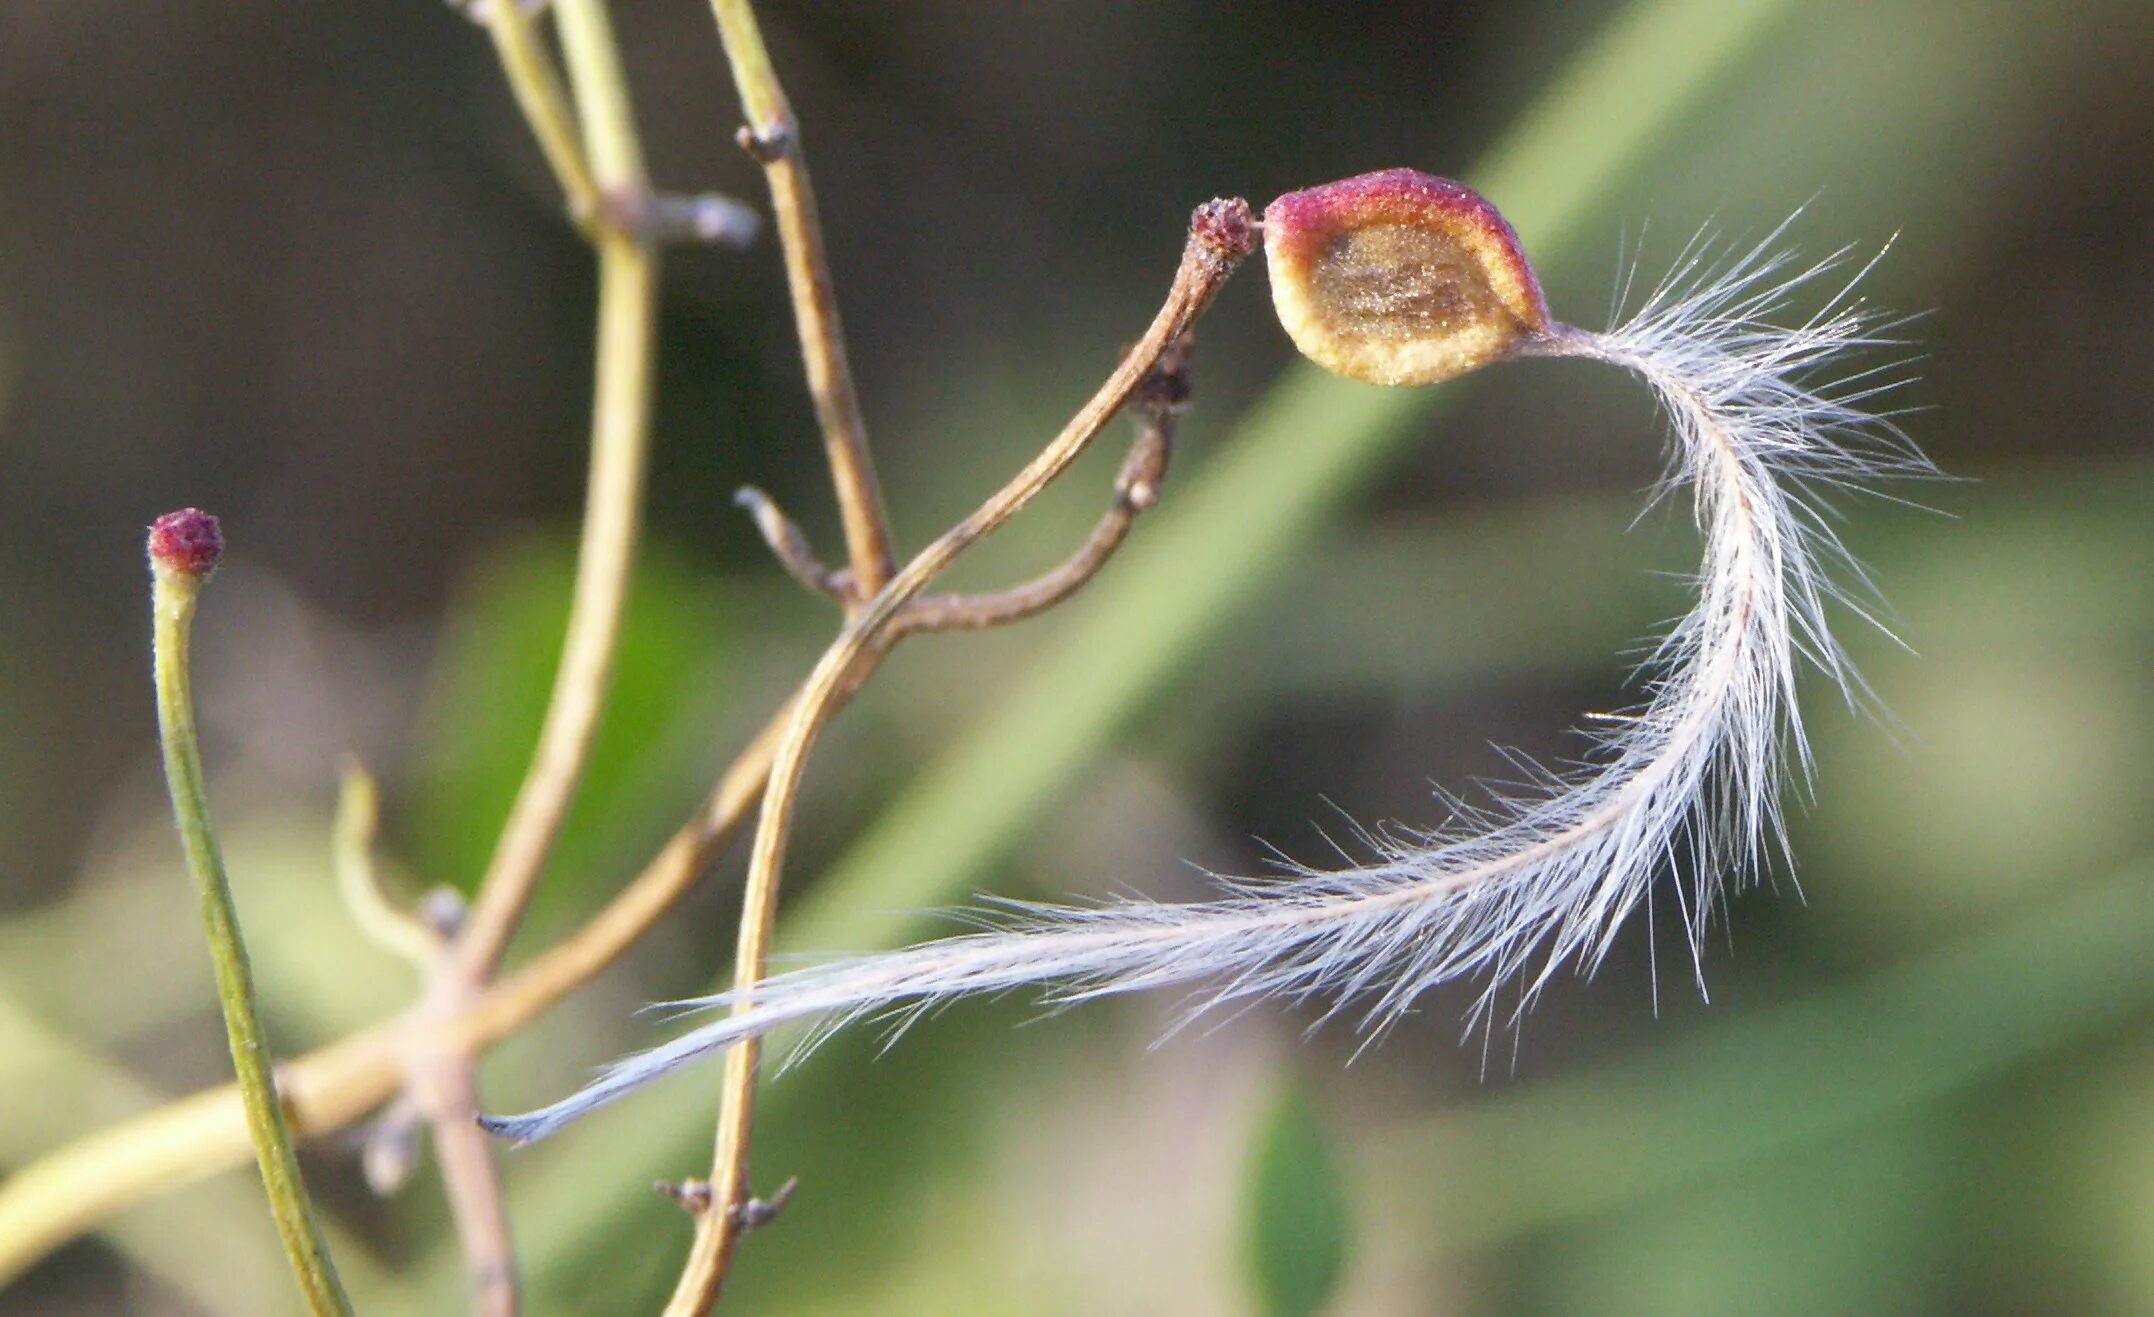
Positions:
{"x": 442, "y": 1084}
{"x": 1158, "y": 403}
{"x": 1221, "y": 234}
{"x": 773, "y": 137}
{"x": 789, "y": 545}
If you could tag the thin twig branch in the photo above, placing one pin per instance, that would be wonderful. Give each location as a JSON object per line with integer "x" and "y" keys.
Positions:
{"x": 536, "y": 84}
{"x": 1221, "y": 234}
{"x": 620, "y": 424}
{"x": 789, "y": 545}
{"x": 1157, "y": 403}
{"x": 603, "y": 180}
{"x": 442, "y": 1084}
{"x": 385, "y": 923}
{"x": 80, "y": 1184}
{"x": 773, "y": 138}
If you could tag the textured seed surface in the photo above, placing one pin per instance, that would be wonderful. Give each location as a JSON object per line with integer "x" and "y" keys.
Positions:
{"x": 1396, "y": 281}
{"x": 1399, "y": 278}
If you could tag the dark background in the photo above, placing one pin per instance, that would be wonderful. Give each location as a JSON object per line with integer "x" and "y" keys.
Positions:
{"x": 300, "y": 265}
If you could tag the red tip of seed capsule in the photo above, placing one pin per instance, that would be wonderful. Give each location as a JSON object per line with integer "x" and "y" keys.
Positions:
{"x": 1399, "y": 277}
{"x": 186, "y": 542}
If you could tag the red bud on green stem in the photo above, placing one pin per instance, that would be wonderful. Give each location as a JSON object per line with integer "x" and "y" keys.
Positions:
{"x": 186, "y": 543}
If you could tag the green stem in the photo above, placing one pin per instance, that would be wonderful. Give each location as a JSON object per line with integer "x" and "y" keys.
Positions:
{"x": 536, "y": 84}
{"x": 613, "y": 510}
{"x": 173, "y": 601}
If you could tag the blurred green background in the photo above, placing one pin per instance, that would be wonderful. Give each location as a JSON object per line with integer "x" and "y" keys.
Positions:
{"x": 304, "y": 269}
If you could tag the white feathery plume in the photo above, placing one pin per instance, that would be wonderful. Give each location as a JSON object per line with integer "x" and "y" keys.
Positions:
{"x": 1539, "y": 881}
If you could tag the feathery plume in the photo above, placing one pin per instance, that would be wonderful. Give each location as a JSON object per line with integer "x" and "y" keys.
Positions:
{"x": 1539, "y": 881}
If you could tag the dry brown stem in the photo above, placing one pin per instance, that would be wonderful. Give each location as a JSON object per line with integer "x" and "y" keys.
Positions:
{"x": 773, "y": 137}
{"x": 1221, "y": 234}
{"x": 1158, "y": 402}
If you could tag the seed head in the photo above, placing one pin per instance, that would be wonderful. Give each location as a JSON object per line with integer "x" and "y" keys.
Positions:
{"x": 1399, "y": 277}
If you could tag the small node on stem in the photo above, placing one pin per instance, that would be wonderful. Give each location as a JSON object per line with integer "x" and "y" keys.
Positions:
{"x": 1167, "y": 387}
{"x": 1399, "y": 278}
{"x": 706, "y": 218}
{"x": 696, "y": 1197}
{"x": 765, "y": 145}
{"x": 759, "y": 1212}
{"x": 1160, "y": 397}
{"x": 693, "y": 1195}
{"x": 674, "y": 219}
{"x": 389, "y": 1148}
{"x": 186, "y": 543}
{"x": 443, "y": 910}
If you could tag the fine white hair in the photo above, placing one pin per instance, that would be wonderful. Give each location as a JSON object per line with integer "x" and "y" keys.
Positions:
{"x": 1766, "y": 421}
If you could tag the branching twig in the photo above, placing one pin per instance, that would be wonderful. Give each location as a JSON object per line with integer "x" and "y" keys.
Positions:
{"x": 72, "y": 1188}
{"x": 536, "y": 84}
{"x": 1157, "y": 402}
{"x": 613, "y": 511}
{"x": 1136, "y": 490}
{"x": 1221, "y": 233}
{"x": 612, "y": 202}
{"x": 773, "y": 138}
{"x": 603, "y": 181}
{"x": 183, "y": 551}
{"x": 75, "y": 1186}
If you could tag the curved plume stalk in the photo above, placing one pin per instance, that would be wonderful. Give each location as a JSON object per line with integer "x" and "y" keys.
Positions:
{"x": 1514, "y": 891}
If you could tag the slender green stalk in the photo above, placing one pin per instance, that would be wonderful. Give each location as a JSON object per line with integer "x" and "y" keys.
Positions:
{"x": 613, "y": 510}
{"x": 442, "y": 1074}
{"x": 177, "y": 585}
{"x": 536, "y": 84}
{"x": 351, "y": 849}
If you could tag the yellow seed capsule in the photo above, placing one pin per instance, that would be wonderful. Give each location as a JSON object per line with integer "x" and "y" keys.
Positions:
{"x": 1399, "y": 277}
